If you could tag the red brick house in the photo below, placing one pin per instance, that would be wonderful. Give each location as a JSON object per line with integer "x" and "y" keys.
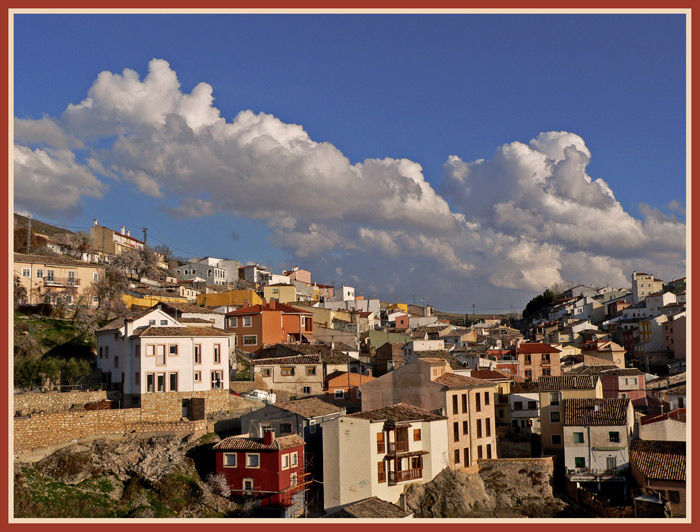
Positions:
{"x": 255, "y": 326}
{"x": 661, "y": 466}
{"x": 269, "y": 469}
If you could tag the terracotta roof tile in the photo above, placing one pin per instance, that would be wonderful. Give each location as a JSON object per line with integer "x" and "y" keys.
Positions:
{"x": 237, "y": 443}
{"x": 531, "y": 348}
{"x": 295, "y": 359}
{"x": 398, "y": 412}
{"x": 567, "y": 382}
{"x": 180, "y": 331}
{"x": 442, "y": 354}
{"x": 370, "y": 508}
{"x": 56, "y": 260}
{"x": 310, "y": 407}
{"x": 595, "y": 411}
{"x": 453, "y": 380}
{"x": 659, "y": 460}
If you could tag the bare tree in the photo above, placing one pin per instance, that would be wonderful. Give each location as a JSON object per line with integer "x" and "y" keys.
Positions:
{"x": 111, "y": 286}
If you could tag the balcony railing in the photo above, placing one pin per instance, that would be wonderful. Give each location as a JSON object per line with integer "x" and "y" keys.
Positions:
{"x": 398, "y": 447}
{"x": 61, "y": 281}
{"x": 402, "y": 476}
{"x": 582, "y": 474}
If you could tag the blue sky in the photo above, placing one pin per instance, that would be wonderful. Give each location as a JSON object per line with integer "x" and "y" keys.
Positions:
{"x": 419, "y": 88}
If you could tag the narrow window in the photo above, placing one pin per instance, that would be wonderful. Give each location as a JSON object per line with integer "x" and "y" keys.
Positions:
{"x": 456, "y": 456}
{"x": 478, "y": 429}
{"x": 478, "y": 402}
{"x": 380, "y": 442}
{"x": 197, "y": 354}
{"x": 464, "y": 403}
{"x": 416, "y": 434}
{"x": 381, "y": 472}
{"x": 455, "y": 431}
{"x": 217, "y": 354}
{"x": 454, "y": 404}
{"x": 173, "y": 382}
{"x": 465, "y": 427}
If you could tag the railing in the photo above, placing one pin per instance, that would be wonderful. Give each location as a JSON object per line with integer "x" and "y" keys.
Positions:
{"x": 402, "y": 476}
{"x": 61, "y": 281}
{"x": 579, "y": 472}
{"x": 398, "y": 447}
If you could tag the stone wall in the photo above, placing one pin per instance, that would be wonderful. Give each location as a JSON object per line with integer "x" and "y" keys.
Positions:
{"x": 49, "y": 429}
{"x": 168, "y": 406}
{"x": 26, "y": 403}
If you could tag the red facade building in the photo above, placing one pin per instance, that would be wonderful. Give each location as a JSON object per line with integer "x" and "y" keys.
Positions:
{"x": 269, "y": 469}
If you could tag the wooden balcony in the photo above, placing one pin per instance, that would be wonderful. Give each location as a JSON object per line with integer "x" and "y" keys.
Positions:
{"x": 61, "y": 281}
{"x": 398, "y": 447}
{"x": 403, "y": 476}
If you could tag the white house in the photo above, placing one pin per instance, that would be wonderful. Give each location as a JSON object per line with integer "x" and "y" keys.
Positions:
{"x": 411, "y": 347}
{"x": 378, "y": 452}
{"x": 153, "y": 353}
{"x": 524, "y": 402}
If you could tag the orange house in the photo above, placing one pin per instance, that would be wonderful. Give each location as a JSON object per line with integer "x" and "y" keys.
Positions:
{"x": 536, "y": 360}
{"x": 255, "y": 326}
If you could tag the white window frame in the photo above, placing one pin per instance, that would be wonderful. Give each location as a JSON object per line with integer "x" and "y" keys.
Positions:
{"x": 233, "y": 321}
{"x": 338, "y": 394}
{"x": 293, "y": 479}
{"x": 285, "y": 461}
{"x": 229, "y": 455}
{"x": 40, "y": 273}
{"x": 248, "y": 457}
{"x": 95, "y": 276}
{"x": 26, "y": 272}
{"x": 253, "y": 336}
{"x": 294, "y": 459}
{"x": 247, "y": 321}
{"x": 197, "y": 376}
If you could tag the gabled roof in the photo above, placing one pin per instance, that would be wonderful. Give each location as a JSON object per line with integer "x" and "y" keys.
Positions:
{"x": 180, "y": 331}
{"x": 327, "y": 356}
{"x": 257, "y": 309}
{"x": 454, "y": 380}
{"x": 659, "y": 460}
{"x": 290, "y": 360}
{"x": 567, "y": 382}
{"x": 595, "y": 411}
{"x": 441, "y": 354}
{"x": 525, "y": 387}
{"x": 236, "y": 443}
{"x": 370, "y": 508}
{"x": 532, "y": 348}
{"x": 491, "y": 374}
{"x": 398, "y": 412}
{"x": 676, "y": 415}
{"x": 118, "y": 323}
{"x": 54, "y": 260}
{"x": 310, "y": 407}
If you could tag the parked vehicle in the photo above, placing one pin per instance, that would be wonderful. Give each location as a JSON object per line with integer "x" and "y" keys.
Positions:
{"x": 261, "y": 395}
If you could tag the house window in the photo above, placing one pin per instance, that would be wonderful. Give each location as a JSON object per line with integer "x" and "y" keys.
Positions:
{"x": 614, "y": 437}
{"x": 233, "y": 322}
{"x": 251, "y": 339}
{"x": 285, "y": 428}
{"x": 197, "y": 376}
{"x": 252, "y": 460}
{"x": 465, "y": 427}
{"x": 247, "y": 321}
{"x": 161, "y": 382}
{"x": 556, "y": 439}
{"x": 488, "y": 451}
{"x": 358, "y": 395}
{"x": 310, "y": 370}
{"x": 173, "y": 382}
{"x": 230, "y": 460}
{"x": 294, "y": 457}
{"x": 554, "y": 398}
{"x": 528, "y": 360}
{"x": 150, "y": 350}
{"x": 265, "y": 372}
{"x": 50, "y": 275}
{"x": 197, "y": 354}
{"x": 306, "y": 389}
{"x": 217, "y": 354}
{"x": 532, "y": 405}
{"x": 416, "y": 434}
{"x": 160, "y": 355}
{"x": 163, "y": 322}
{"x": 487, "y": 422}
{"x": 674, "y": 496}
{"x": 116, "y": 362}
{"x": 456, "y": 456}
{"x": 454, "y": 404}
{"x": 285, "y": 461}
{"x": 455, "y": 431}
{"x": 286, "y": 371}
{"x": 578, "y": 437}
{"x": 137, "y": 351}
{"x": 518, "y": 405}
{"x": 312, "y": 426}
{"x": 217, "y": 380}
{"x": 293, "y": 479}
{"x": 546, "y": 372}
{"x": 137, "y": 379}
{"x": 464, "y": 403}
{"x": 478, "y": 428}
{"x": 478, "y": 402}
{"x": 487, "y": 398}
{"x": 610, "y": 463}
{"x": 26, "y": 272}
{"x": 579, "y": 462}
{"x": 172, "y": 350}
{"x": 107, "y": 352}
{"x": 479, "y": 452}
{"x": 248, "y": 485}
{"x": 95, "y": 276}
{"x": 380, "y": 442}
{"x": 381, "y": 472}
{"x": 151, "y": 323}
{"x": 528, "y": 374}
{"x": 466, "y": 457}
{"x": 555, "y": 417}
{"x": 150, "y": 382}
{"x": 39, "y": 273}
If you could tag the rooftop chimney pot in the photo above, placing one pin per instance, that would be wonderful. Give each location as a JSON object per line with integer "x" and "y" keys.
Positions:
{"x": 268, "y": 435}
{"x": 123, "y": 230}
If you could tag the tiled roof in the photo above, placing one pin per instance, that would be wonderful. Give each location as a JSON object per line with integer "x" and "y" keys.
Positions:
{"x": 524, "y": 387}
{"x": 595, "y": 411}
{"x": 180, "y": 331}
{"x": 398, "y": 412}
{"x": 56, "y": 260}
{"x": 531, "y": 348}
{"x": 279, "y": 307}
{"x": 659, "y": 460}
{"x": 677, "y": 415}
{"x": 453, "y": 380}
{"x": 370, "y": 508}
{"x": 310, "y": 407}
{"x": 236, "y": 443}
{"x": 192, "y": 320}
{"x": 567, "y": 382}
{"x": 118, "y": 323}
{"x": 442, "y": 354}
{"x": 327, "y": 355}
{"x": 490, "y": 374}
{"x": 295, "y": 359}
{"x": 187, "y": 307}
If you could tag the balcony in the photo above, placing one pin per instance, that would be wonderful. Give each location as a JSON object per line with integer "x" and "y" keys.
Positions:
{"x": 398, "y": 447}
{"x": 403, "y": 476}
{"x": 595, "y": 475}
{"x": 61, "y": 281}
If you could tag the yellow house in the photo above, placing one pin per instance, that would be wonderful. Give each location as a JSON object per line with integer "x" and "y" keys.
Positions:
{"x": 282, "y": 293}
{"x": 553, "y": 391}
{"x": 232, "y": 297}
{"x": 403, "y": 307}
{"x": 147, "y": 301}
{"x": 49, "y": 279}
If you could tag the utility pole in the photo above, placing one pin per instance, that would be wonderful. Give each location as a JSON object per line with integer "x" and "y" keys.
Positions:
{"x": 29, "y": 236}
{"x": 145, "y": 230}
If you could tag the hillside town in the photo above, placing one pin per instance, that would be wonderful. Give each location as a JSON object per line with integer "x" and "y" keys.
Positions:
{"x": 319, "y": 401}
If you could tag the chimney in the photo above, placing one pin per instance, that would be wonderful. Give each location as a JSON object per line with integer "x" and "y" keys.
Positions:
{"x": 273, "y": 304}
{"x": 402, "y": 502}
{"x": 123, "y": 230}
{"x": 128, "y": 232}
{"x": 94, "y": 222}
{"x": 128, "y": 327}
{"x": 268, "y": 435}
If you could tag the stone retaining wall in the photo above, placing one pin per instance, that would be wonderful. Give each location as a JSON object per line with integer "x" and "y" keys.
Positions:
{"x": 168, "y": 406}
{"x": 26, "y": 403}
{"x": 50, "y": 429}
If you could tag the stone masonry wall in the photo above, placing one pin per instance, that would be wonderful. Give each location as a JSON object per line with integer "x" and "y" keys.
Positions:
{"x": 26, "y": 403}
{"x": 168, "y": 406}
{"x": 49, "y": 429}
